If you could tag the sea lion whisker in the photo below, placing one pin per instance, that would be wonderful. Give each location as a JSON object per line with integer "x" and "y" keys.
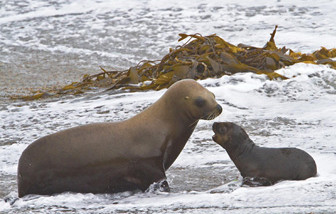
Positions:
{"x": 212, "y": 115}
{"x": 193, "y": 124}
{"x": 208, "y": 116}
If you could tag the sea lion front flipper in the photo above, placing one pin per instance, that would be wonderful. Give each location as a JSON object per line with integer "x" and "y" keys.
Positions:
{"x": 256, "y": 181}
{"x": 148, "y": 175}
{"x": 161, "y": 186}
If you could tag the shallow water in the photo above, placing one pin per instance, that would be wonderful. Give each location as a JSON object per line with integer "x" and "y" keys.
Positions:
{"x": 43, "y": 43}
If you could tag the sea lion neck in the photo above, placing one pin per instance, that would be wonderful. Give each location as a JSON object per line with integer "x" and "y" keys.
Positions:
{"x": 236, "y": 148}
{"x": 173, "y": 121}
{"x": 169, "y": 115}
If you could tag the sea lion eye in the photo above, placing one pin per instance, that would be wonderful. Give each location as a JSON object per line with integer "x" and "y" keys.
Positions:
{"x": 200, "y": 102}
{"x": 222, "y": 130}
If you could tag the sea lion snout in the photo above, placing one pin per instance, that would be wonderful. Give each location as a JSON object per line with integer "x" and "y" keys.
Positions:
{"x": 221, "y": 132}
{"x": 214, "y": 112}
{"x": 220, "y": 128}
{"x": 219, "y": 109}
{"x": 214, "y": 127}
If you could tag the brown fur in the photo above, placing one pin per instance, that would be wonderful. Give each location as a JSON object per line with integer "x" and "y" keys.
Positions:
{"x": 120, "y": 156}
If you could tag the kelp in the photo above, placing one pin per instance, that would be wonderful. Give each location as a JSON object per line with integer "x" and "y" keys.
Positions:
{"x": 200, "y": 57}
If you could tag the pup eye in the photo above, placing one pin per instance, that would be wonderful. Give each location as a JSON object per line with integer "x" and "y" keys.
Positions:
{"x": 222, "y": 130}
{"x": 200, "y": 102}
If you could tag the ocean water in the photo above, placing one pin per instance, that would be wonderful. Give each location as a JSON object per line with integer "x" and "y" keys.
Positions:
{"x": 47, "y": 43}
{"x": 44, "y": 43}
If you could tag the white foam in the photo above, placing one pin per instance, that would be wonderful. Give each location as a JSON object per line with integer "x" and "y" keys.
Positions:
{"x": 298, "y": 112}
{"x": 310, "y": 127}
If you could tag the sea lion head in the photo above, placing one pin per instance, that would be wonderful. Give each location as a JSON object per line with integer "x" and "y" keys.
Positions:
{"x": 228, "y": 134}
{"x": 197, "y": 101}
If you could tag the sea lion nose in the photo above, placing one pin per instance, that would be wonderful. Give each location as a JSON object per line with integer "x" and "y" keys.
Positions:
{"x": 219, "y": 108}
{"x": 214, "y": 125}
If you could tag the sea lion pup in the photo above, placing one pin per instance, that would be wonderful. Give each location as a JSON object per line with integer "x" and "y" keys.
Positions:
{"x": 120, "y": 156}
{"x": 260, "y": 166}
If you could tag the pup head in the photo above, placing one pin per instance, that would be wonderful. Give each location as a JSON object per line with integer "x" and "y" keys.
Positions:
{"x": 228, "y": 134}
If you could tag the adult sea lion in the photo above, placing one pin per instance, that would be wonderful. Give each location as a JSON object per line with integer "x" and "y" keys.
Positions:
{"x": 120, "y": 156}
{"x": 261, "y": 165}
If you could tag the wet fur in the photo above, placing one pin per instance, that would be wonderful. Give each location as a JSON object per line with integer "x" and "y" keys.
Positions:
{"x": 120, "y": 156}
{"x": 252, "y": 161}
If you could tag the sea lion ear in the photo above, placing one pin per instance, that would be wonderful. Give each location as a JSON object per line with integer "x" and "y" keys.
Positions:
{"x": 186, "y": 97}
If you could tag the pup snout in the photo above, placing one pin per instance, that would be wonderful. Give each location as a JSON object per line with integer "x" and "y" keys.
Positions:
{"x": 214, "y": 126}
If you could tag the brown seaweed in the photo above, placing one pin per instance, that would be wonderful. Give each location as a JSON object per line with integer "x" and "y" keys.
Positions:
{"x": 200, "y": 57}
